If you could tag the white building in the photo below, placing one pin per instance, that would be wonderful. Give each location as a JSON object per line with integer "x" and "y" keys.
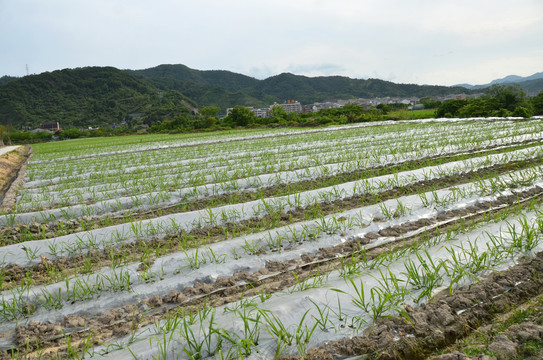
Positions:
{"x": 290, "y": 106}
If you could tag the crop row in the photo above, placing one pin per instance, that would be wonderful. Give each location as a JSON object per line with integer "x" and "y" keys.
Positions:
{"x": 293, "y": 269}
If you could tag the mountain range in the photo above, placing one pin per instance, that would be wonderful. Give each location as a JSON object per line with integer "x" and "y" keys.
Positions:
{"x": 226, "y": 89}
{"x": 103, "y": 96}
{"x": 527, "y": 83}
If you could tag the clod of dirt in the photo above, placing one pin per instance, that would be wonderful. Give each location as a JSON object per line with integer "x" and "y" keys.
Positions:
{"x": 145, "y": 265}
{"x": 524, "y": 332}
{"x": 13, "y": 272}
{"x": 224, "y": 282}
{"x": 36, "y": 331}
{"x": 73, "y": 321}
{"x": 155, "y": 301}
{"x": 276, "y": 266}
{"x": 174, "y": 297}
{"x": 245, "y": 276}
{"x": 503, "y": 347}
{"x": 198, "y": 288}
{"x": 391, "y": 231}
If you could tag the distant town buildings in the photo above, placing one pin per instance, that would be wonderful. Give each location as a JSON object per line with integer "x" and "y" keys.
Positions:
{"x": 295, "y": 106}
{"x": 290, "y": 106}
{"x": 47, "y": 127}
{"x": 261, "y": 112}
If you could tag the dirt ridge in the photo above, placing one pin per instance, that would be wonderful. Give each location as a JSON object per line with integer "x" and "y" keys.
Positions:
{"x": 13, "y": 167}
{"x": 447, "y": 318}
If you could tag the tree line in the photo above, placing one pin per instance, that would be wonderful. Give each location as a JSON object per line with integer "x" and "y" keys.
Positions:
{"x": 498, "y": 100}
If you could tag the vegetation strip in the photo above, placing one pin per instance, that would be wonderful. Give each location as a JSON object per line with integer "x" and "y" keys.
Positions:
{"x": 514, "y": 334}
{"x": 250, "y": 284}
{"x": 37, "y": 231}
{"x": 222, "y": 282}
{"x": 444, "y": 320}
{"x": 14, "y": 273}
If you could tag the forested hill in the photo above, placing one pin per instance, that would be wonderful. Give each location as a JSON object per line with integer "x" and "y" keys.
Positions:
{"x": 6, "y": 79}
{"x": 90, "y": 96}
{"x": 104, "y": 96}
{"x": 322, "y": 88}
{"x": 210, "y": 87}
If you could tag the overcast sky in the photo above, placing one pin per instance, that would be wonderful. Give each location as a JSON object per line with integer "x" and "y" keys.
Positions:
{"x": 442, "y": 42}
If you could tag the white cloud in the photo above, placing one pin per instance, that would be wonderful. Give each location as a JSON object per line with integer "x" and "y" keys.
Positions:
{"x": 421, "y": 41}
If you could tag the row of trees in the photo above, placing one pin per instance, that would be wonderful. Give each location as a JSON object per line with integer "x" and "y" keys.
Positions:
{"x": 499, "y": 100}
{"x": 241, "y": 116}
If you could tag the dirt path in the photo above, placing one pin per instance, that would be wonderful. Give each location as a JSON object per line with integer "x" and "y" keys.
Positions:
{"x": 11, "y": 160}
{"x": 6, "y": 149}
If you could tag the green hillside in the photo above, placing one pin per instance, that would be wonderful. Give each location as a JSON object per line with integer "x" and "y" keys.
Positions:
{"x": 6, "y": 79}
{"x": 104, "y": 96}
{"x": 302, "y": 88}
{"x": 532, "y": 86}
{"x": 207, "y": 87}
{"x": 226, "y": 79}
{"x": 91, "y": 96}
{"x": 227, "y": 89}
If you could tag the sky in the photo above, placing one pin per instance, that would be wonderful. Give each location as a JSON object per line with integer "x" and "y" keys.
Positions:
{"x": 437, "y": 42}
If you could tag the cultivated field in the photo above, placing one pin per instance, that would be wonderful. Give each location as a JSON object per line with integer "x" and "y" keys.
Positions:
{"x": 390, "y": 239}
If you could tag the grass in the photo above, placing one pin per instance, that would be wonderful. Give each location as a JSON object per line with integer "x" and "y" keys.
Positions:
{"x": 410, "y": 114}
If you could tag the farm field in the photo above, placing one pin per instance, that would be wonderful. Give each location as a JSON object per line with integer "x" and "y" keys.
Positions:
{"x": 385, "y": 239}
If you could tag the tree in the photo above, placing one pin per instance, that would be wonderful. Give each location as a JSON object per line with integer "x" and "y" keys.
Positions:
{"x": 507, "y": 97}
{"x": 2, "y": 131}
{"x": 384, "y": 108}
{"x": 429, "y": 103}
{"x": 277, "y": 114}
{"x": 476, "y": 108}
{"x": 537, "y": 104}
{"x": 450, "y": 108}
{"x": 522, "y": 112}
{"x": 241, "y": 116}
{"x": 8, "y": 131}
{"x": 210, "y": 111}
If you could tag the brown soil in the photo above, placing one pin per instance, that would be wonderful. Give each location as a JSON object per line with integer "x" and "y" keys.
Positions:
{"x": 10, "y": 166}
{"x": 517, "y": 334}
{"x": 448, "y": 318}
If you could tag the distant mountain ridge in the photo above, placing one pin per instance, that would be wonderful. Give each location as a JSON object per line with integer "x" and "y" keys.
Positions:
{"x": 211, "y": 87}
{"x": 510, "y": 79}
{"x": 102, "y": 96}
